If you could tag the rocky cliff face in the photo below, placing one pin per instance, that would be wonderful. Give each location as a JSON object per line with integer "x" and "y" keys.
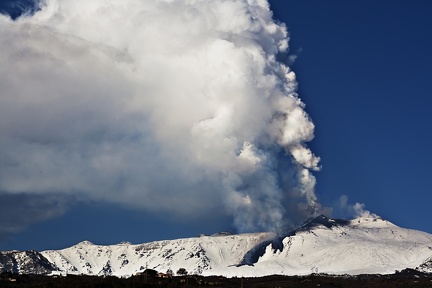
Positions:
{"x": 25, "y": 262}
{"x": 426, "y": 266}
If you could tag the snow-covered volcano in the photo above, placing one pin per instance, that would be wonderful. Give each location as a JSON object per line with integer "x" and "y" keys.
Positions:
{"x": 322, "y": 245}
{"x": 334, "y": 246}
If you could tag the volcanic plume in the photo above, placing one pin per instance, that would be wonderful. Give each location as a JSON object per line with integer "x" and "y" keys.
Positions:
{"x": 154, "y": 103}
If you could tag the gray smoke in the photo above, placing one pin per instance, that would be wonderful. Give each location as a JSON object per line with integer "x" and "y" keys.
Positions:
{"x": 154, "y": 103}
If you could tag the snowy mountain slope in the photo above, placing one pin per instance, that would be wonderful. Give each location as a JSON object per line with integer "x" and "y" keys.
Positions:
{"x": 25, "y": 262}
{"x": 195, "y": 254}
{"x": 360, "y": 246}
{"x": 322, "y": 245}
{"x": 426, "y": 266}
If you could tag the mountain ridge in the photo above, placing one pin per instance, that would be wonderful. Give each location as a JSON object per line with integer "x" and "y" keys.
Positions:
{"x": 321, "y": 245}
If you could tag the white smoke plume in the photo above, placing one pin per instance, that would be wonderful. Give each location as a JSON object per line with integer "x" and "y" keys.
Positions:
{"x": 170, "y": 106}
{"x": 356, "y": 210}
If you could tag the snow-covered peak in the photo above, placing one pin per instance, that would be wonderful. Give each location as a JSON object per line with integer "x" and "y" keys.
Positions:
{"x": 85, "y": 243}
{"x": 363, "y": 222}
{"x": 221, "y": 234}
{"x": 322, "y": 221}
{"x": 371, "y": 222}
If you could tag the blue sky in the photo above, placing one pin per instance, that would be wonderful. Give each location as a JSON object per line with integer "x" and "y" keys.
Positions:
{"x": 363, "y": 70}
{"x": 364, "y": 73}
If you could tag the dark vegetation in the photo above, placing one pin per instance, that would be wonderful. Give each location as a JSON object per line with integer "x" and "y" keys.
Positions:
{"x": 406, "y": 278}
{"x": 182, "y": 272}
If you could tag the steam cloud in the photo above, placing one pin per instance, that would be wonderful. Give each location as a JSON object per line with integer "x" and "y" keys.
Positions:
{"x": 155, "y": 103}
{"x": 356, "y": 210}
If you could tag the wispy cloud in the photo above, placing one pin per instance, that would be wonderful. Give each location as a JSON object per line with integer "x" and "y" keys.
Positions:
{"x": 21, "y": 210}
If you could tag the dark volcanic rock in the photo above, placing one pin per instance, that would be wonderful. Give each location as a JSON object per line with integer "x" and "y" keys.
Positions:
{"x": 25, "y": 262}
{"x": 322, "y": 220}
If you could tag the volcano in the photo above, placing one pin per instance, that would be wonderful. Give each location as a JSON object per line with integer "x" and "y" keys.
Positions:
{"x": 321, "y": 245}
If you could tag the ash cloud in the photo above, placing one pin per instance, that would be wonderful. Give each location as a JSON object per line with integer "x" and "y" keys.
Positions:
{"x": 154, "y": 103}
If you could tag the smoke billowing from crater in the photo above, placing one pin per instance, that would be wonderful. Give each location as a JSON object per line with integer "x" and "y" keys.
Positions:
{"x": 169, "y": 106}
